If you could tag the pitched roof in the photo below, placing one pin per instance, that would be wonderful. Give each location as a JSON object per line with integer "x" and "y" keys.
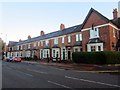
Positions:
{"x": 116, "y": 22}
{"x": 53, "y": 34}
{"x": 12, "y": 43}
{"x": 99, "y": 14}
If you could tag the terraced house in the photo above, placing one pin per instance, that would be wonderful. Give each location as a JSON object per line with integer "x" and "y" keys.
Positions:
{"x": 96, "y": 33}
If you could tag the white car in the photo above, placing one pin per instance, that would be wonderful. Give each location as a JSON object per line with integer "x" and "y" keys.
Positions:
{"x": 9, "y": 59}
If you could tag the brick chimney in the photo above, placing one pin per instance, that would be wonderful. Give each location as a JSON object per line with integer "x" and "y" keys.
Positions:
{"x": 115, "y": 13}
{"x": 29, "y": 37}
{"x": 62, "y": 26}
{"x": 42, "y": 33}
{"x": 20, "y": 40}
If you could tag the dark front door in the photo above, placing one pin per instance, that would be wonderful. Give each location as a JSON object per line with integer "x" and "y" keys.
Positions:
{"x": 63, "y": 54}
{"x": 69, "y": 55}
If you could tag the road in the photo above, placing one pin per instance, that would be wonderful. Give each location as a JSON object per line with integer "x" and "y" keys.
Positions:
{"x": 26, "y": 75}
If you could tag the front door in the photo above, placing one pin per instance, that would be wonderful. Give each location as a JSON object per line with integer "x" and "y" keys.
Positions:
{"x": 63, "y": 54}
{"x": 69, "y": 55}
{"x": 41, "y": 54}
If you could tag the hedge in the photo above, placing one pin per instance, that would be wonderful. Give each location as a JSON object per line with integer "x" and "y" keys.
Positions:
{"x": 105, "y": 57}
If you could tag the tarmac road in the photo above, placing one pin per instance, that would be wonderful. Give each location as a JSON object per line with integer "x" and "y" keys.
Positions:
{"x": 26, "y": 75}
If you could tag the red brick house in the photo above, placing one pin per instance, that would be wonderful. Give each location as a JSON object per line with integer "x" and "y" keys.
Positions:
{"x": 96, "y": 33}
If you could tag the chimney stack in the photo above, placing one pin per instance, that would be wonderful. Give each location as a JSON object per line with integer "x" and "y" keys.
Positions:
{"x": 115, "y": 13}
{"x": 62, "y": 26}
{"x": 20, "y": 40}
{"x": 29, "y": 37}
{"x": 42, "y": 33}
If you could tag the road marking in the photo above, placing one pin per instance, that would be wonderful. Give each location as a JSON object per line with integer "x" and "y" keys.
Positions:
{"x": 92, "y": 81}
{"x": 38, "y": 71}
{"x": 26, "y": 73}
{"x": 59, "y": 84}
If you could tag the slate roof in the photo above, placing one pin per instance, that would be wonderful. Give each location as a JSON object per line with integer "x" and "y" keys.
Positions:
{"x": 12, "y": 43}
{"x": 70, "y": 29}
{"x": 53, "y": 34}
{"x": 116, "y": 22}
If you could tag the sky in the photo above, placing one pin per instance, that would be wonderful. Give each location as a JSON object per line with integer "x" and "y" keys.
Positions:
{"x": 23, "y": 18}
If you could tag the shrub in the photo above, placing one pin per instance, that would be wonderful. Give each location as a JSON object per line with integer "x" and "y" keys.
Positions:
{"x": 106, "y": 57}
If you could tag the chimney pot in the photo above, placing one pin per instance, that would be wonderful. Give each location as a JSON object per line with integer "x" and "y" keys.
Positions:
{"x": 29, "y": 37}
{"x": 42, "y": 33}
{"x": 62, "y": 26}
{"x": 115, "y": 13}
{"x": 20, "y": 40}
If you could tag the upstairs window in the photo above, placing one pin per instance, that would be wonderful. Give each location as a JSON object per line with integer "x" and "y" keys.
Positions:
{"x": 62, "y": 39}
{"x": 56, "y": 41}
{"x": 94, "y": 33}
{"x": 113, "y": 32}
{"x": 41, "y": 43}
{"x": 46, "y": 42}
{"x": 77, "y": 37}
{"x": 80, "y": 36}
{"x": 28, "y": 45}
{"x": 17, "y": 47}
{"x": 69, "y": 39}
{"x": 34, "y": 44}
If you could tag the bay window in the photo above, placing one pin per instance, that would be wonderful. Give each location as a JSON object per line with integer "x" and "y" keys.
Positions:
{"x": 94, "y": 33}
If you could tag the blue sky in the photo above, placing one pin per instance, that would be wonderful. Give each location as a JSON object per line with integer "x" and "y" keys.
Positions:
{"x": 20, "y": 19}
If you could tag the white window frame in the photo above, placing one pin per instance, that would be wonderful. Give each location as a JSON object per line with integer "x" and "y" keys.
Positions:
{"x": 96, "y": 47}
{"x": 69, "y": 39}
{"x": 56, "y": 41}
{"x": 63, "y": 39}
{"x": 80, "y": 36}
{"x": 94, "y": 33}
{"x": 46, "y": 42}
{"x": 38, "y": 43}
{"x": 34, "y": 44}
{"x": 41, "y": 42}
{"x": 113, "y": 32}
{"x": 29, "y": 45}
{"x": 77, "y": 37}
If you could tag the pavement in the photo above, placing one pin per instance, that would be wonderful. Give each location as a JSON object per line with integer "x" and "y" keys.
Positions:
{"x": 81, "y": 67}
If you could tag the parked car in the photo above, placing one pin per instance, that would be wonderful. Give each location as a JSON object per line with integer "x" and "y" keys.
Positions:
{"x": 17, "y": 59}
{"x": 9, "y": 59}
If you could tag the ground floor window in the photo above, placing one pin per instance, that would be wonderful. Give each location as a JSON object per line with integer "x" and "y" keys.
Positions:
{"x": 76, "y": 49}
{"x": 95, "y": 47}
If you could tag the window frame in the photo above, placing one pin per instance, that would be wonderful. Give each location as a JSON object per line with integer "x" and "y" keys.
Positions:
{"x": 69, "y": 38}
